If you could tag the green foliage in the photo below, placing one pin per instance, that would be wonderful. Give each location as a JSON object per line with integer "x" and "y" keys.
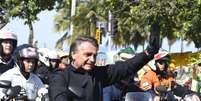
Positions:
{"x": 194, "y": 32}
{"x": 177, "y": 18}
{"x": 26, "y": 10}
{"x": 87, "y": 14}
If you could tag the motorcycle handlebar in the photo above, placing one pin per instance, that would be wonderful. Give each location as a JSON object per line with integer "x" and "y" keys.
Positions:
{"x": 5, "y": 84}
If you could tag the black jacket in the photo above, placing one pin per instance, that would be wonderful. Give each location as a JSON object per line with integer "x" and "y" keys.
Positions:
{"x": 70, "y": 85}
{"x": 6, "y": 66}
{"x": 44, "y": 72}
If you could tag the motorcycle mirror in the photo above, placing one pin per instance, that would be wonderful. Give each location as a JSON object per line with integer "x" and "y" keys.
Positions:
{"x": 5, "y": 84}
{"x": 13, "y": 91}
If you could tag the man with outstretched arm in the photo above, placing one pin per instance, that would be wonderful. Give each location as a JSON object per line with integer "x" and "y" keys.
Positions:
{"x": 83, "y": 81}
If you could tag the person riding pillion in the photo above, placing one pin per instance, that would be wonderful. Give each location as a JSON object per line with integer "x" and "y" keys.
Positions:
{"x": 83, "y": 81}
{"x": 52, "y": 62}
{"x": 8, "y": 43}
{"x": 158, "y": 75}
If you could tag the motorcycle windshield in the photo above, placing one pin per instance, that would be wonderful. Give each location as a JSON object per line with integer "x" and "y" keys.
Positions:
{"x": 138, "y": 96}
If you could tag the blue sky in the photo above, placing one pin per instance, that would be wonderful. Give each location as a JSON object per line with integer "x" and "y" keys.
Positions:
{"x": 46, "y": 36}
{"x": 43, "y": 30}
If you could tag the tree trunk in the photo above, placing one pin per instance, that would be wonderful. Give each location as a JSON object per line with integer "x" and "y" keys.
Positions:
{"x": 93, "y": 27}
{"x": 170, "y": 43}
{"x": 182, "y": 44}
{"x": 31, "y": 33}
{"x": 169, "y": 48}
{"x": 155, "y": 30}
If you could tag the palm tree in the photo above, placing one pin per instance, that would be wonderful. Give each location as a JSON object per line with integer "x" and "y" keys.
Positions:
{"x": 87, "y": 14}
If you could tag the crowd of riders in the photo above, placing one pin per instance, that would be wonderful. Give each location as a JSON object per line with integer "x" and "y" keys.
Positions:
{"x": 29, "y": 68}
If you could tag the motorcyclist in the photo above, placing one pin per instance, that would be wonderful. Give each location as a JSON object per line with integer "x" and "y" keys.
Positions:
{"x": 158, "y": 75}
{"x": 64, "y": 60}
{"x": 54, "y": 59}
{"x": 26, "y": 58}
{"x": 8, "y": 43}
{"x": 43, "y": 57}
{"x": 43, "y": 65}
{"x": 48, "y": 66}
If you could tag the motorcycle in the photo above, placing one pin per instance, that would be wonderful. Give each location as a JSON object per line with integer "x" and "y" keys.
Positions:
{"x": 17, "y": 93}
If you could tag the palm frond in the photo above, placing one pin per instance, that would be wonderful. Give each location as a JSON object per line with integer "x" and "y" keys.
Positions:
{"x": 59, "y": 43}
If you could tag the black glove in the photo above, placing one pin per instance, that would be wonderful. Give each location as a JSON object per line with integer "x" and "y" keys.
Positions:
{"x": 154, "y": 40}
{"x": 161, "y": 89}
{"x": 13, "y": 91}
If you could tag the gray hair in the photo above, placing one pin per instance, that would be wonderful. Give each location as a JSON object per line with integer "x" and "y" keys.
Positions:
{"x": 77, "y": 42}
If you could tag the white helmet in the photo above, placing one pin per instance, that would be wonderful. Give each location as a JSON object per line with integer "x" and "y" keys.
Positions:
{"x": 6, "y": 34}
{"x": 53, "y": 55}
{"x": 62, "y": 53}
{"x": 161, "y": 54}
{"x": 43, "y": 56}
